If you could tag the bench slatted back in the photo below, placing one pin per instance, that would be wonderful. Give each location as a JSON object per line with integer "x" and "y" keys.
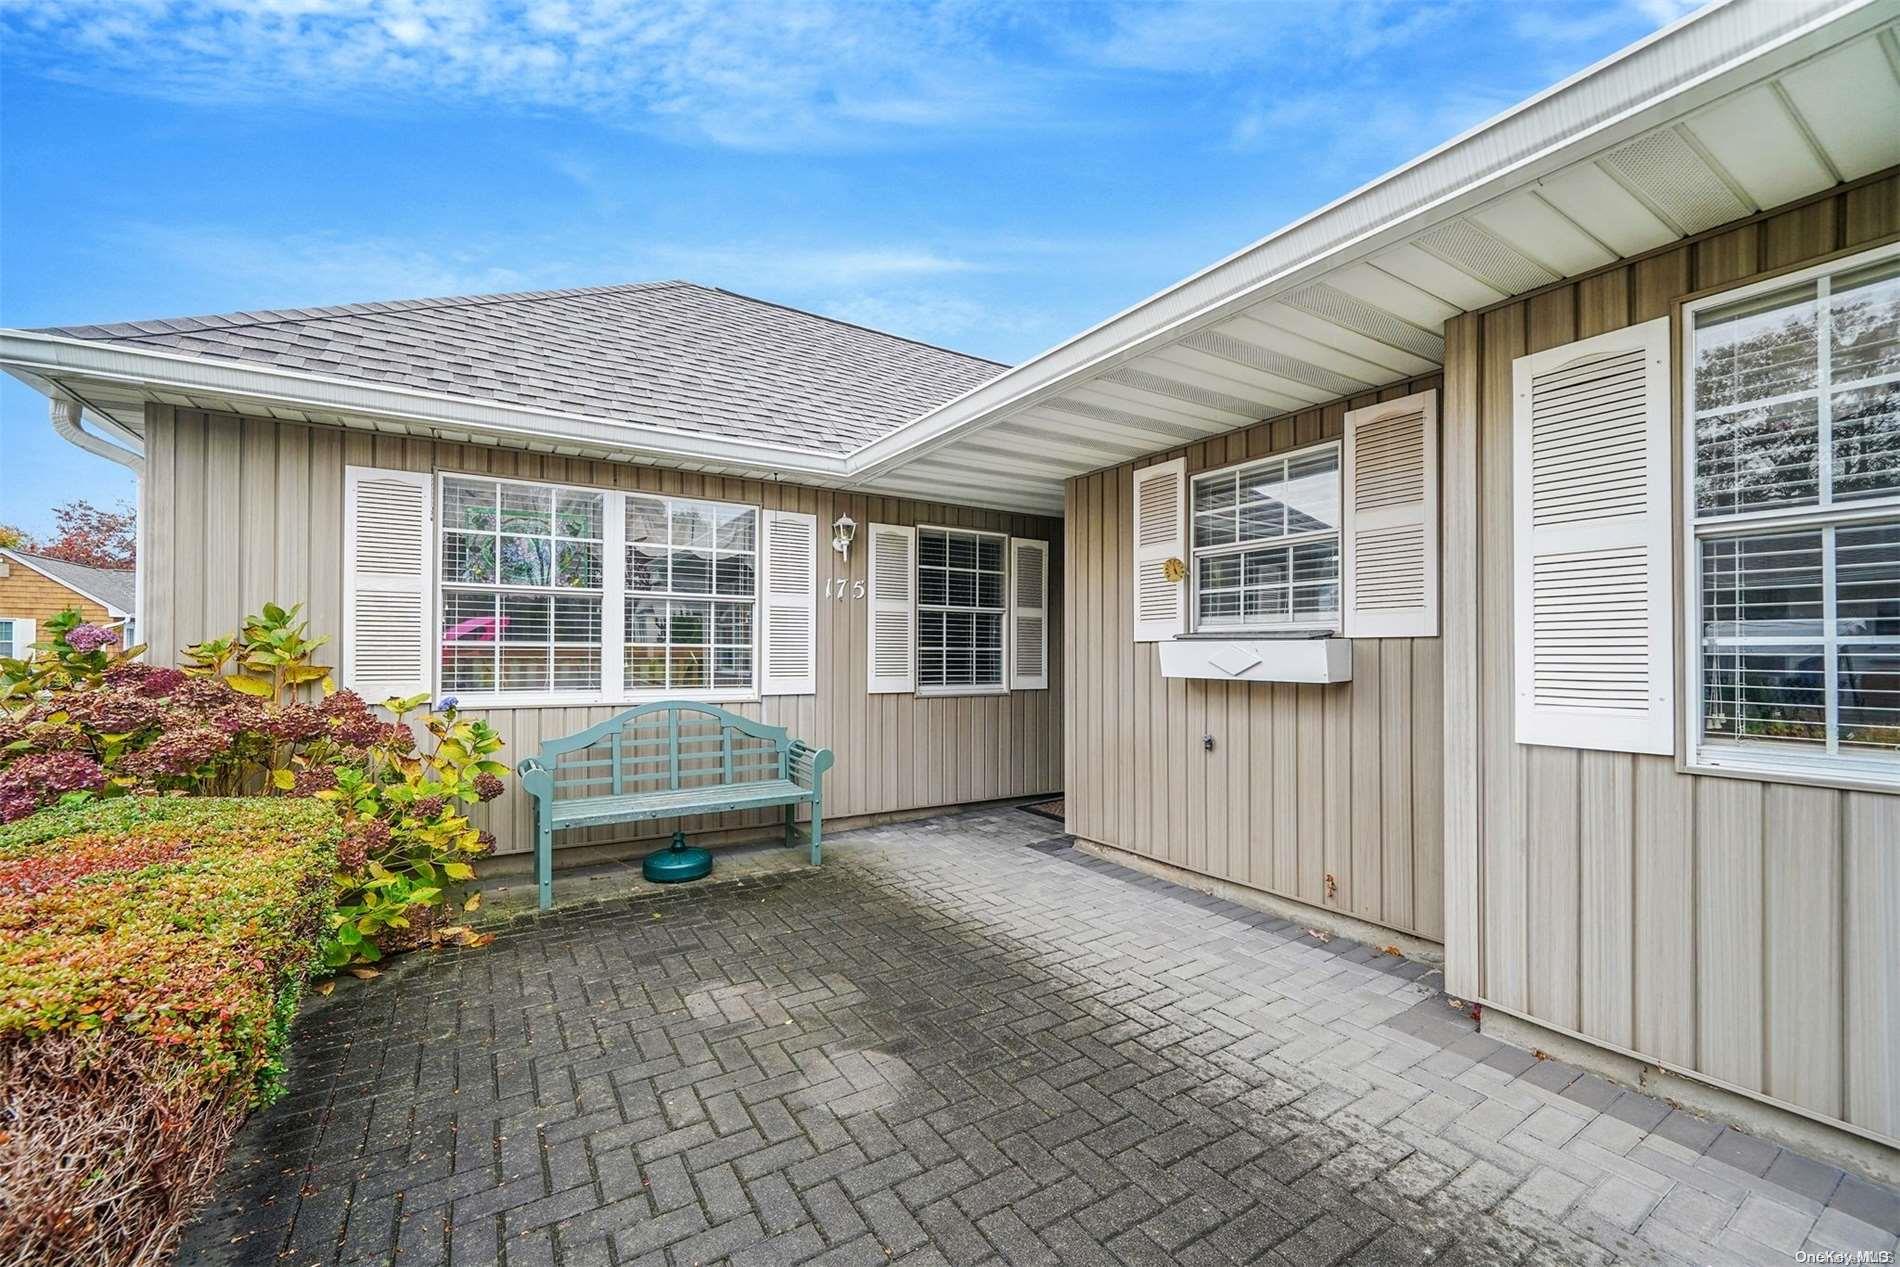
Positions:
{"x": 668, "y": 746}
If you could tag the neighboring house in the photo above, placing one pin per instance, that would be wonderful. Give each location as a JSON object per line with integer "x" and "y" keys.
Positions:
{"x": 1506, "y": 555}
{"x": 34, "y": 588}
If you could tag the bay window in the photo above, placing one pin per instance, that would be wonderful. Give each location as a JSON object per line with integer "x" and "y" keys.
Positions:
{"x": 1265, "y": 543}
{"x": 1794, "y": 514}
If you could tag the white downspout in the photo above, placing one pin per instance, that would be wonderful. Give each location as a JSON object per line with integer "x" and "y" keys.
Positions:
{"x": 66, "y": 416}
{"x": 66, "y": 421}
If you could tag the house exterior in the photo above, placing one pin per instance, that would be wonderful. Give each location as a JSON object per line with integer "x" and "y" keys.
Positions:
{"x": 1504, "y": 558}
{"x": 34, "y": 589}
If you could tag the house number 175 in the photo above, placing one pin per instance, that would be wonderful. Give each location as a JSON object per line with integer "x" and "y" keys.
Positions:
{"x": 837, "y": 587}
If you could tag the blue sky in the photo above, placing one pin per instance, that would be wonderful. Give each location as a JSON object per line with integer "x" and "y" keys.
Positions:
{"x": 989, "y": 176}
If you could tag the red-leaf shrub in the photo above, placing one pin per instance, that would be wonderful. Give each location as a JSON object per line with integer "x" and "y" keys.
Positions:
{"x": 152, "y": 954}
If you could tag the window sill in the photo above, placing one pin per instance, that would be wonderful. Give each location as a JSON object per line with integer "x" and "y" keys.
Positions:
{"x": 955, "y": 692}
{"x": 545, "y": 699}
{"x": 1258, "y": 658}
{"x": 1744, "y": 761}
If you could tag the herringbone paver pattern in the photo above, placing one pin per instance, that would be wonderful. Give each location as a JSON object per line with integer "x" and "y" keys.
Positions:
{"x": 945, "y": 1047}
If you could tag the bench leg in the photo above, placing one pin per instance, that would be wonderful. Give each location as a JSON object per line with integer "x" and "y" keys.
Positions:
{"x": 791, "y": 824}
{"x": 543, "y": 858}
{"x": 817, "y": 832}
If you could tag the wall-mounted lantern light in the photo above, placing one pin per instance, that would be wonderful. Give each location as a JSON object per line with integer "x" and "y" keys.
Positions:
{"x": 844, "y": 530}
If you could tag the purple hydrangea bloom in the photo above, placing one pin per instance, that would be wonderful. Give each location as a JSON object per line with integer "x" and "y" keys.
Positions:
{"x": 90, "y": 638}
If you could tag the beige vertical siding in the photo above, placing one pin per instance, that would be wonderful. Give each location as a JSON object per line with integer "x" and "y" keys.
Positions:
{"x": 1330, "y": 795}
{"x": 249, "y": 510}
{"x": 1745, "y": 931}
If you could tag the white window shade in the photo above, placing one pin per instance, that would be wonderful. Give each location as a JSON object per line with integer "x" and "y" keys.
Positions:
{"x": 1028, "y": 614}
{"x": 1391, "y": 519}
{"x": 892, "y": 610}
{"x": 789, "y": 659}
{"x": 388, "y": 548}
{"x": 1591, "y": 544}
{"x": 1160, "y": 534}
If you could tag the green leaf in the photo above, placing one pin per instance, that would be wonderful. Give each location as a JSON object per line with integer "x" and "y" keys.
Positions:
{"x": 458, "y": 871}
{"x": 256, "y": 686}
{"x": 283, "y": 779}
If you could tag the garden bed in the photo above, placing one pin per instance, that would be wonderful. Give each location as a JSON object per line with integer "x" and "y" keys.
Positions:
{"x": 152, "y": 954}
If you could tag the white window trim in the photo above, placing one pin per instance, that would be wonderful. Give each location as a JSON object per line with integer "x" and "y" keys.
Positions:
{"x": 613, "y": 596}
{"x": 1333, "y": 626}
{"x": 1731, "y": 757}
{"x": 918, "y": 607}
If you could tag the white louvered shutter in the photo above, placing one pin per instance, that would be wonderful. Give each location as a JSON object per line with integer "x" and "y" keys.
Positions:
{"x": 789, "y": 645}
{"x": 892, "y": 610}
{"x": 1160, "y": 534}
{"x": 1590, "y": 544}
{"x": 1390, "y": 525}
{"x": 1028, "y": 614}
{"x": 388, "y": 570}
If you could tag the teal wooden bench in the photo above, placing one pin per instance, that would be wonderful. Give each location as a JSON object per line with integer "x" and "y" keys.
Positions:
{"x": 670, "y": 759}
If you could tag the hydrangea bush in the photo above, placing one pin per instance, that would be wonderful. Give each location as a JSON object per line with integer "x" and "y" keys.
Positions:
{"x": 254, "y": 714}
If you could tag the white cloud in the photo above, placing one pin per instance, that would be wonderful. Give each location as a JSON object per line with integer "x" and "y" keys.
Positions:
{"x": 761, "y": 75}
{"x": 1549, "y": 26}
{"x": 779, "y": 268}
{"x": 1189, "y": 37}
{"x": 931, "y": 317}
{"x": 313, "y": 269}
{"x": 797, "y": 74}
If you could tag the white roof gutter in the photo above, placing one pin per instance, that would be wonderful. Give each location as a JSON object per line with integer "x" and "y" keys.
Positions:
{"x": 1707, "y": 54}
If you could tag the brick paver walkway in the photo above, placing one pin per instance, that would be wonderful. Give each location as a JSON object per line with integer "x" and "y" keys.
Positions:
{"x": 945, "y": 1046}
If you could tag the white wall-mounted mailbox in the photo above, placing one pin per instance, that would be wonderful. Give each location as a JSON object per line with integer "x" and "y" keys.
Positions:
{"x": 1258, "y": 659}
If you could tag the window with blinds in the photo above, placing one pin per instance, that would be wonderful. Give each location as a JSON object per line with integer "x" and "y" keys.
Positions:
{"x": 1265, "y": 540}
{"x": 1794, "y": 391}
{"x": 960, "y": 608}
{"x": 692, "y": 581}
{"x": 553, "y": 593}
{"x": 522, "y": 578}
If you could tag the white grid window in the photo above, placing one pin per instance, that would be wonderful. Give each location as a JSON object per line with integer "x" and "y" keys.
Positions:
{"x": 692, "y": 581}
{"x": 521, "y": 587}
{"x": 7, "y": 650}
{"x": 1266, "y": 543}
{"x": 960, "y": 606}
{"x": 528, "y": 582}
{"x": 1794, "y": 391}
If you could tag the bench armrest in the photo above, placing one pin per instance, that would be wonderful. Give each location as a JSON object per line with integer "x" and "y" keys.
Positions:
{"x": 536, "y": 779}
{"x": 806, "y": 765}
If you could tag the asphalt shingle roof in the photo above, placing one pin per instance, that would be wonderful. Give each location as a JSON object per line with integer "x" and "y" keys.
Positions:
{"x": 669, "y": 354}
{"x": 115, "y": 587}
